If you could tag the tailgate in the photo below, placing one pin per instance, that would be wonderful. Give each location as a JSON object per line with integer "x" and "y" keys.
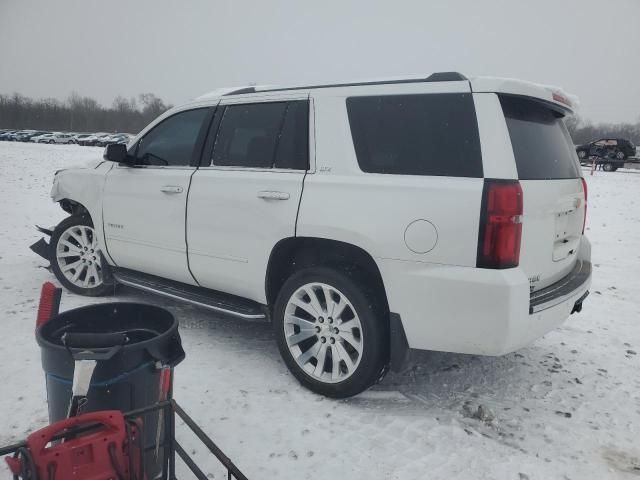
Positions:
{"x": 553, "y": 215}
{"x": 553, "y": 197}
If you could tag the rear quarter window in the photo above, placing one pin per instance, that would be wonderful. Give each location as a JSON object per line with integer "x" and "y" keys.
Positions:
{"x": 541, "y": 143}
{"x": 425, "y": 134}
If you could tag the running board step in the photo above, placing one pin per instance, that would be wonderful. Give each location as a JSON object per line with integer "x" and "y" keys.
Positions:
{"x": 212, "y": 299}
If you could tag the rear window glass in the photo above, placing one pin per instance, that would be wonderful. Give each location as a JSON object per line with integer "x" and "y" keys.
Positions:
{"x": 541, "y": 142}
{"x": 432, "y": 134}
{"x": 264, "y": 135}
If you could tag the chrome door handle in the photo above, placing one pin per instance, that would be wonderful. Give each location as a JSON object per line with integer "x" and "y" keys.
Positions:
{"x": 171, "y": 189}
{"x": 269, "y": 195}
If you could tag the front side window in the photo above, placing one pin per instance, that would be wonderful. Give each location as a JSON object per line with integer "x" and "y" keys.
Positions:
{"x": 263, "y": 135}
{"x": 171, "y": 143}
{"x": 424, "y": 134}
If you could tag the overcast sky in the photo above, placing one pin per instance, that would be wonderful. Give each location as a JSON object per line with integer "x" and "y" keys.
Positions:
{"x": 181, "y": 49}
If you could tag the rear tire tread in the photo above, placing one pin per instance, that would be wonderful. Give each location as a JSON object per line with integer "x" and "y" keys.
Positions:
{"x": 371, "y": 313}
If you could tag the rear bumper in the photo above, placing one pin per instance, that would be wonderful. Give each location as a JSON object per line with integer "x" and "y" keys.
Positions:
{"x": 563, "y": 290}
{"x": 480, "y": 311}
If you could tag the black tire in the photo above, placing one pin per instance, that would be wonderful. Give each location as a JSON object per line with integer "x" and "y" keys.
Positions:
{"x": 620, "y": 155}
{"x": 582, "y": 154}
{"x": 93, "y": 291}
{"x": 608, "y": 167}
{"x": 373, "y": 318}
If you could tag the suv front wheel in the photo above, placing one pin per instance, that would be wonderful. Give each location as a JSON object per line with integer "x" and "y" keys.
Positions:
{"x": 331, "y": 331}
{"x": 75, "y": 257}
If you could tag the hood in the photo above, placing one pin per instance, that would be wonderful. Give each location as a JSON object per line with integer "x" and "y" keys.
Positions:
{"x": 91, "y": 164}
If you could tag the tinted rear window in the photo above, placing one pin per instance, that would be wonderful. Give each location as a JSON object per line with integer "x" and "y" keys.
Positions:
{"x": 541, "y": 143}
{"x": 432, "y": 134}
{"x": 264, "y": 135}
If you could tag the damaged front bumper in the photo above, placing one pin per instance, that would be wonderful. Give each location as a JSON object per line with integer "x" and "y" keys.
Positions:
{"x": 42, "y": 247}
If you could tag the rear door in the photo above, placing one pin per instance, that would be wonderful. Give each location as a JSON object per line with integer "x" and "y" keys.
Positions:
{"x": 550, "y": 176}
{"x": 244, "y": 197}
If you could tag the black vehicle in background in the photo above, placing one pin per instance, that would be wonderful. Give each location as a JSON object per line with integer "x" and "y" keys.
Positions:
{"x": 618, "y": 148}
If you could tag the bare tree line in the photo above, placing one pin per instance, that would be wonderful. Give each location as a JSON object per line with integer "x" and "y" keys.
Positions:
{"x": 79, "y": 114}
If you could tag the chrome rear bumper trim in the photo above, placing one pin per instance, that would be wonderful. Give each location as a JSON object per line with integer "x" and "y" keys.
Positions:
{"x": 562, "y": 290}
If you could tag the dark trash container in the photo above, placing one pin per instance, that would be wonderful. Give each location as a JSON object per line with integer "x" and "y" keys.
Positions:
{"x": 127, "y": 376}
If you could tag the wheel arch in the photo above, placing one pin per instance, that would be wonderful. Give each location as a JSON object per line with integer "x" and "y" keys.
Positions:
{"x": 293, "y": 253}
{"x": 73, "y": 207}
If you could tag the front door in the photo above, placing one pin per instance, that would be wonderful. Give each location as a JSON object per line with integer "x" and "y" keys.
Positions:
{"x": 145, "y": 205}
{"x": 245, "y": 196}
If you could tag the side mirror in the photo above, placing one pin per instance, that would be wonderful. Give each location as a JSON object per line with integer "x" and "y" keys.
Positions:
{"x": 117, "y": 152}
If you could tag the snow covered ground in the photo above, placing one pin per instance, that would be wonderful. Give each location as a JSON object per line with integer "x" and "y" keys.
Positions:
{"x": 567, "y": 407}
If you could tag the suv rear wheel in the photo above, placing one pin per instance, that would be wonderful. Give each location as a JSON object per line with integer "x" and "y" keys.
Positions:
{"x": 75, "y": 257}
{"x": 331, "y": 331}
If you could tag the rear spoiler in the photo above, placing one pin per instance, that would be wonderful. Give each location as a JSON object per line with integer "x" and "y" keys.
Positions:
{"x": 555, "y": 97}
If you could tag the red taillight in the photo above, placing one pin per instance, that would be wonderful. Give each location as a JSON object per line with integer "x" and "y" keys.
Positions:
{"x": 500, "y": 224}
{"x": 584, "y": 189}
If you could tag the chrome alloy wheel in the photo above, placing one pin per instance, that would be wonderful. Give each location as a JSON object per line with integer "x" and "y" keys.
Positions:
{"x": 78, "y": 256}
{"x": 323, "y": 332}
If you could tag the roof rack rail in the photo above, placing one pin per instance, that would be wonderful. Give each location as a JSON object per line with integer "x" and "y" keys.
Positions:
{"x": 445, "y": 77}
{"x": 434, "y": 77}
{"x": 240, "y": 91}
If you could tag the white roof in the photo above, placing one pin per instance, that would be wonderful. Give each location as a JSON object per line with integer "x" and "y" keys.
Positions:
{"x": 548, "y": 93}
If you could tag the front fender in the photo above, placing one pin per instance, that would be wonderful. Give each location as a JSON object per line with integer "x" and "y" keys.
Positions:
{"x": 83, "y": 186}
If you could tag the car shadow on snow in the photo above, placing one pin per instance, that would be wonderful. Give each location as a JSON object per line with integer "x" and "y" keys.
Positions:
{"x": 429, "y": 378}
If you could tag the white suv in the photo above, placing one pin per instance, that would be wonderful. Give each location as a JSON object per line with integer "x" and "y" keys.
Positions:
{"x": 362, "y": 219}
{"x": 55, "y": 138}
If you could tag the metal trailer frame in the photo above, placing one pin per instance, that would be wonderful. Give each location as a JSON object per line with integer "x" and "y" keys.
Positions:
{"x": 170, "y": 409}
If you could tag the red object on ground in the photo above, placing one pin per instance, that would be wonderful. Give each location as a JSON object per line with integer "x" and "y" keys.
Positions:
{"x": 165, "y": 382}
{"x": 49, "y": 303}
{"x": 15, "y": 465}
{"x": 98, "y": 455}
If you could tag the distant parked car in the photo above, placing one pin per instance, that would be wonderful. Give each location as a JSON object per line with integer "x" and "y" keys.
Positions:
{"x": 81, "y": 137}
{"x": 6, "y": 135}
{"x": 92, "y": 139}
{"x": 614, "y": 147}
{"x": 27, "y": 136}
{"x": 24, "y": 135}
{"x": 13, "y": 136}
{"x": 56, "y": 138}
{"x": 116, "y": 138}
{"x": 44, "y": 138}
{"x": 104, "y": 140}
